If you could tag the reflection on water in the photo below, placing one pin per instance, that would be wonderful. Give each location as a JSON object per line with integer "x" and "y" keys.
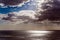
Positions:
{"x": 29, "y": 35}
{"x": 24, "y": 35}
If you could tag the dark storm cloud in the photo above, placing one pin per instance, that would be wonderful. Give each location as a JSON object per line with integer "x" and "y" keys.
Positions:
{"x": 12, "y": 2}
{"x": 52, "y": 11}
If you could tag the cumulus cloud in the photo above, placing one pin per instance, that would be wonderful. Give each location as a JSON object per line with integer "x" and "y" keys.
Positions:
{"x": 16, "y": 3}
{"x": 24, "y": 15}
{"x": 29, "y": 15}
{"x": 18, "y": 17}
{"x": 21, "y": 16}
{"x": 42, "y": 5}
{"x": 12, "y": 2}
{"x": 3, "y": 15}
{"x": 49, "y": 9}
{"x": 1, "y": 4}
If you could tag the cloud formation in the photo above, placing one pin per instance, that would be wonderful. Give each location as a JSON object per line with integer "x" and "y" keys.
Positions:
{"x": 50, "y": 9}
{"x": 12, "y": 2}
{"x": 44, "y": 11}
{"x": 22, "y": 16}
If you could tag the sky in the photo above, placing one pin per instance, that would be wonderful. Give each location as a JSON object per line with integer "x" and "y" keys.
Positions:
{"x": 18, "y": 12}
{"x": 26, "y": 6}
{"x": 24, "y": 12}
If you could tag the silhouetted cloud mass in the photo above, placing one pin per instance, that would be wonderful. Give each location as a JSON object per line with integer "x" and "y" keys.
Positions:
{"x": 12, "y": 2}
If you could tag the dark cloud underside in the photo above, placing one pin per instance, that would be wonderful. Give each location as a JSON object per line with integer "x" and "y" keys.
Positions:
{"x": 12, "y": 2}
